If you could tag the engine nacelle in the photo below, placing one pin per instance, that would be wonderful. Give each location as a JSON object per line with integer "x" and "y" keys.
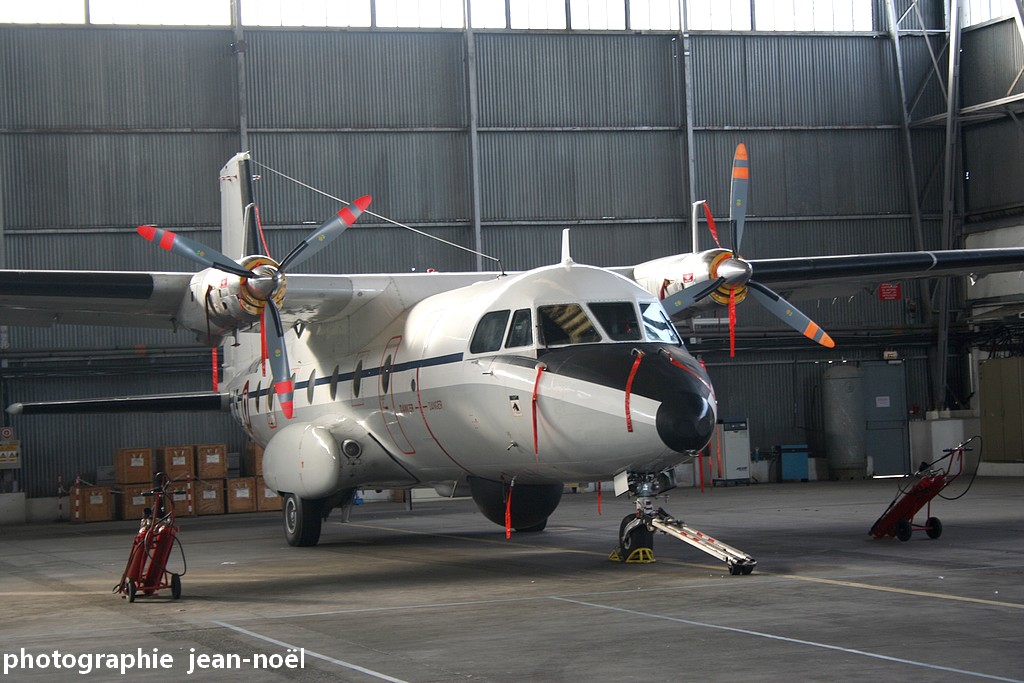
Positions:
{"x": 667, "y": 276}
{"x": 220, "y": 302}
{"x": 303, "y": 459}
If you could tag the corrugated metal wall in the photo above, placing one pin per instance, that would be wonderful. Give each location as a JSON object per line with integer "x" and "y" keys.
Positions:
{"x": 106, "y": 128}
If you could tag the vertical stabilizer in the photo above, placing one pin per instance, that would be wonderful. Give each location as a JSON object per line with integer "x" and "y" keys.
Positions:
{"x": 239, "y": 233}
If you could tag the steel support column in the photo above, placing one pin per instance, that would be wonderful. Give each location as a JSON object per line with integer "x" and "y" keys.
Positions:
{"x": 241, "y": 91}
{"x": 473, "y": 128}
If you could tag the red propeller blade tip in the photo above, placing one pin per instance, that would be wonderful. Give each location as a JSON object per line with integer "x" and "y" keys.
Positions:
{"x": 288, "y": 409}
{"x": 363, "y": 202}
{"x": 147, "y": 231}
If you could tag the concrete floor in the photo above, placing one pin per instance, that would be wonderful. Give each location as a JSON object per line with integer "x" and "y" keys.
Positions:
{"x": 438, "y": 594}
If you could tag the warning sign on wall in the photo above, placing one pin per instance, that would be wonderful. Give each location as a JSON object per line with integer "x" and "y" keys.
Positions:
{"x": 10, "y": 455}
{"x": 890, "y": 291}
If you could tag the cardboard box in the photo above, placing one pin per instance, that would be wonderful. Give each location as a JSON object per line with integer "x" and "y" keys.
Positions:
{"x": 133, "y": 465}
{"x": 132, "y": 501}
{"x": 252, "y": 460}
{"x": 211, "y": 461}
{"x": 209, "y": 495}
{"x": 241, "y": 494}
{"x": 184, "y": 497}
{"x": 266, "y": 498}
{"x": 91, "y": 504}
{"x": 176, "y": 461}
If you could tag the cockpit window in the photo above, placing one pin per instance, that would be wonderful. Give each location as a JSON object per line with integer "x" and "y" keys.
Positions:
{"x": 489, "y": 332}
{"x": 566, "y": 324}
{"x": 520, "y": 332}
{"x": 657, "y": 324}
{"x": 618, "y": 319}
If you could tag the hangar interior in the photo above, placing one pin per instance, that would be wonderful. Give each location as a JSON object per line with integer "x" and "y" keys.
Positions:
{"x": 901, "y": 135}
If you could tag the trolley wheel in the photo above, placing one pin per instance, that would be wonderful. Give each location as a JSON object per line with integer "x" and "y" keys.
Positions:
{"x": 904, "y": 530}
{"x": 933, "y": 527}
{"x": 175, "y": 586}
{"x": 638, "y": 537}
{"x": 132, "y": 590}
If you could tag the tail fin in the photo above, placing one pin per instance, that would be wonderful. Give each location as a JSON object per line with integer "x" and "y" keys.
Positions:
{"x": 239, "y": 230}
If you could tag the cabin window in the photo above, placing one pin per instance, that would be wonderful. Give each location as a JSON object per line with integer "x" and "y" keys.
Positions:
{"x": 489, "y": 332}
{"x": 520, "y": 332}
{"x": 566, "y": 324}
{"x": 334, "y": 382}
{"x": 658, "y": 326}
{"x": 385, "y": 375}
{"x": 618, "y": 319}
{"x": 357, "y": 378}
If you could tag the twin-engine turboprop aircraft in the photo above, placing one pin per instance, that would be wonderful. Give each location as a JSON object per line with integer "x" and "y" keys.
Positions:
{"x": 506, "y": 385}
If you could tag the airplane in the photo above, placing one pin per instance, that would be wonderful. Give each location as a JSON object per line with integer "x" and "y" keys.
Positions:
{"x": 505, "y": 385}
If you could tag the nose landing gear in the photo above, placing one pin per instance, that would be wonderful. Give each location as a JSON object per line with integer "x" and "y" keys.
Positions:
{"x": 636, "y": 536}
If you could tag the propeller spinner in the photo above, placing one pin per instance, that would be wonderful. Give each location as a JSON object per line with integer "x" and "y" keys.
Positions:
{"x": 264, "y": 282}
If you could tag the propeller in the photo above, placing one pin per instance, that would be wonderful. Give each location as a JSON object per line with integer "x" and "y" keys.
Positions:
{"x": 264, "y": 281}
{"x": 732, "y": 277}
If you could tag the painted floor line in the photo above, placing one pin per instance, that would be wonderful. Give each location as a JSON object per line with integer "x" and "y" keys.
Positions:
{"x": 795, "y": 641}
{"x": 311, "y": 653}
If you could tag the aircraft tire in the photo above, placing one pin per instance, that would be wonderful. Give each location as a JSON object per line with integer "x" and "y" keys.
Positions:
{"x": 638, "y": 537}
{"x": 302, "y": 520}
{"x": 535, "y": 528}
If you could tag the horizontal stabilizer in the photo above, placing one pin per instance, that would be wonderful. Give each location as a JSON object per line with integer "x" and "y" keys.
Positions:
{"x": 153, "y": 403}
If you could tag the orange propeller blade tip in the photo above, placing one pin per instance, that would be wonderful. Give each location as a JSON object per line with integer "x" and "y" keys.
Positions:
{"x": 741, "y": 151}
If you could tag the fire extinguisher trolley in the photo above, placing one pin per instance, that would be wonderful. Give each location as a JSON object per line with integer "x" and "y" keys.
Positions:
{"x": 146, "y": 571}
{"x": 929, "y": 480}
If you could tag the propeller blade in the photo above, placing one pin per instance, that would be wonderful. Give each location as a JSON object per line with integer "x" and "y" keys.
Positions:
{"x": 738, "y": 195}
{"x": 190, "y": 249}
{"x": 711, "y": 224}
{"x": 326, "y": 233}
{"x": 686, "y": 298}
{"x": 789, "y": 314}
{"x": 278, "y": 356}
{"x": 732, "y": 322}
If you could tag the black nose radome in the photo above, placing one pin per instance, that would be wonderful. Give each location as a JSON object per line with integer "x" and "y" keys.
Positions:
{"x": 685, "y": 421}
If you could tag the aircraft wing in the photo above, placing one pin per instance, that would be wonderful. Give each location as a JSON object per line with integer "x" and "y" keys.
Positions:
{"x": 73, "y": 297}
{"x": 821, "y": 276}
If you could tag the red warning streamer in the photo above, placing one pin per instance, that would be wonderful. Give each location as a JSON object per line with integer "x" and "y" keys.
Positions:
{"x": 215, "y": 368}
{"x": 629, "y": 387}
{"x": 536, "y": 387}
{"x": 508, "y": 509}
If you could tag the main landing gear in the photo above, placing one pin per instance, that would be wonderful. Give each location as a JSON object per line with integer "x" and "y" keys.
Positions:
{"x": 636, "y": 536}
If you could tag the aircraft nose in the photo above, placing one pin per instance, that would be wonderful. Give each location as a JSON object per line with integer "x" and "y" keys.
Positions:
{"x": 685, "y": 421}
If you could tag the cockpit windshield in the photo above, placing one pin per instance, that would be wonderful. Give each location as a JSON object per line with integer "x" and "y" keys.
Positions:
{"x": 566, "y": 324}
{"x": 573, "y": 323}
{"x": 618, "y": 319}
{"x": 657, "y": 325}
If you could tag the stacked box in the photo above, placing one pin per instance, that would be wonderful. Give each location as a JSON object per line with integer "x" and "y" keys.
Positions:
{"x": 252, "y": 460}
{"x": 241, "y": 494}
{"x": 211, "y": 461}
{"x": 184, "y": 498}
{"x": 209, "y": 497}
{"x": 176, "y": 461}
{"x": 266, "y": 498}
{"x": 133, "y": 465}
{"x": 132, "y": 501}
{"x": 91, "y": 504}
